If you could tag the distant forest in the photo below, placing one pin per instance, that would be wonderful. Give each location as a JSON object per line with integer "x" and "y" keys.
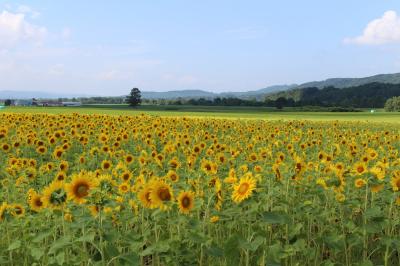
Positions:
{"x": 371, "y": 95}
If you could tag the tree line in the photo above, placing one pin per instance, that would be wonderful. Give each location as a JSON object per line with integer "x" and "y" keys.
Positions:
{"x": 371, "y": 95}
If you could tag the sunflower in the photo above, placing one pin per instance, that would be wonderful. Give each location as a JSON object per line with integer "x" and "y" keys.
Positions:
{"x": 79, "y": 187}
{"x": 41, "y": 149}
{"x": 63, "y": 166}
{"x": 126, "y": 176}
{"x": 218, "y": 195}
{"x": 124, "y": 188}
{"x": 359, "y": 182}
{"x": 5, "y": 147}
{"x": 186, "y": 201}
{"x": 214, "y": 219}
{"x": 94, "y": 210}
{"x": 160, "y": 194}
{"x": 174, "y": 163}
{"x": 379, "y": 171}
{"x": 35, "y": 202}
{"x": 54, "y": 195}
{"x": 106, "y": 165}
{"x": 58, "y": 153}
{"x": 17, "y": 210}
{"x": 360, "y": 168}
{"x": 129, "y": 158}
{"x": 3, "y": 209}
{"x": 244, "y": 189}
{"x": 395, "y": 183}
{"x": 277, "y": 171}
{"x": 60, "y": 177}
{"x": 377, "y": 188}
{"x": 340, "y": 197}
{"x": 172, "y": 175}
{"x": 209, "y": 167}
{"x": 144, "y": 196}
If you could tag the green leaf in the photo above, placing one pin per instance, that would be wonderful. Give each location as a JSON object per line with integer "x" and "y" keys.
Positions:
{"x": 253, "y": 245}
{"x": 335, "y": 242}
{"x": 111, "y": 251}
{"x": 131, "y": 259}
{"x": 215, "y": 251}
{"x": 87, "y": 238}
{"x": 275, "y": 253}
{"x": 14, "y": 245}
{"x": 231, "y": 249}
{"x": 365, "y": 263}
{"x": 147, "y": 251}
{"x": 37, "y": 253}
{"x": 373, "y": 212}
{"x": 197, "y": 237}
{"x": 60, "y": 244}
{"x": 161, "y": 246}
{"x": 40, "y": 237}
{"x": 275, "y": 217}
{"x": 60, "y": 258}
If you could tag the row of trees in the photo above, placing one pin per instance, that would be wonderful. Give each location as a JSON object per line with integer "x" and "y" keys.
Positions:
{"x": 371, "y": 95}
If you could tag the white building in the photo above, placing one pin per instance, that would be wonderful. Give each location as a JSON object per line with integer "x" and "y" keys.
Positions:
{"x": 71, "y": 103}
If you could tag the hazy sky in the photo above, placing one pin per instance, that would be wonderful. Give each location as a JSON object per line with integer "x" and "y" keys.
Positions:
{"x": 108, "y": 47}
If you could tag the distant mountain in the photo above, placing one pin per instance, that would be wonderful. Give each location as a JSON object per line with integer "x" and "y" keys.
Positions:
{"x": 352, "y": 82}
{"x": 36, "y": 94}
{"x": 273, "y": 91}
{"x": 193, "y": 94}
{"x": 177, "y": 94}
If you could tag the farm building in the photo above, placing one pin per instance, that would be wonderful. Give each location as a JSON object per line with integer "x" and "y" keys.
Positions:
{"x": 71, "y": 103}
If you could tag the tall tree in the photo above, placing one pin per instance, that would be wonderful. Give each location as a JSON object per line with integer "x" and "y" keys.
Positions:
{"x": 134, "y": 98}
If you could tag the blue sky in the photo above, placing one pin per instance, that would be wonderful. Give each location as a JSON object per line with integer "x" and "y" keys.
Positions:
{"x": 107, "y": 47}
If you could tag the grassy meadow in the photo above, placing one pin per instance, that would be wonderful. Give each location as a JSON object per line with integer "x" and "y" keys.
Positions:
{"x": 216, "y": 111}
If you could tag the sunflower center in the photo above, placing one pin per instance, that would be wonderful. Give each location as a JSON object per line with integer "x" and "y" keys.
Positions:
{"x": 243, "y": 188}
{"x": 164, "y": 194}
{"x": 186, "y": 202}
{"x": 82, "y": 190}
{"x": 147, "y": 196}
{"x": 38, "y": 202}
{"x": 18, "y": 210}
{"x": 398, "y": 183}
{"x": 360, "y": 169}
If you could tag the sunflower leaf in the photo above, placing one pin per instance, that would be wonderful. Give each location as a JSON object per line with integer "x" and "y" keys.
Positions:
{"x": 60, "y": 244}
{"x": 37, "y": 253}
{"x": 14, "y": 245}
{"x": 275, "y": 217}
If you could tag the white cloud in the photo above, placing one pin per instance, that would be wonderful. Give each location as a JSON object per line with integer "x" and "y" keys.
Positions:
{"x": 380, "y": 31}
{"x": 15, "y": 29}
{"x": 28, "y": 10}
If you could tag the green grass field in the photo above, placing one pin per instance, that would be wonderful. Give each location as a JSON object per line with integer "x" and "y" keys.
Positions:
{"x": 216, "y": 112}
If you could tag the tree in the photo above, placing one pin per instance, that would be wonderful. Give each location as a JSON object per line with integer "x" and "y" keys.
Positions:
{"x": 393, "y": 104}
{"x": 7, "y": 102}
{"x": 134, "y": 98}
{"x": 280, "y": 103}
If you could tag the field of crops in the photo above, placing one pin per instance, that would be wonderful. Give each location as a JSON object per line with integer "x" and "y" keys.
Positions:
{"x": 82, "y": 189}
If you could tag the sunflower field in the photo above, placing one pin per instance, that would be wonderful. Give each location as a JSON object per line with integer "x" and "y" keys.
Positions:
{"x": 145, "y": 190}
